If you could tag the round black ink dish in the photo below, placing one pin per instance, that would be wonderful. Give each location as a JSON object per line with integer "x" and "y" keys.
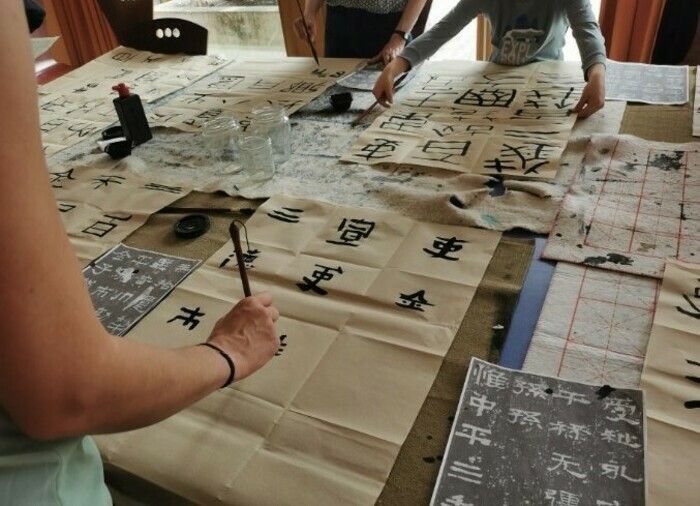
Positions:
{"x": 341, "y": 101}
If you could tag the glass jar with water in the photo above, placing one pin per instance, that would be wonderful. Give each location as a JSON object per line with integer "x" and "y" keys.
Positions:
{"x": 272, "y": 121}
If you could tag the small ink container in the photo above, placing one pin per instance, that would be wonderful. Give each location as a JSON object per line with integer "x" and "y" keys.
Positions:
{"x": 131, "y": 115}
{"x": 272, "y": 121}
{"x": 256, "y": 159}
{"x": 220, "y": 136}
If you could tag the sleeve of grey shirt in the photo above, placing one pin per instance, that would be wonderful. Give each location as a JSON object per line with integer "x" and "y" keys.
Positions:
{"x": 427, "y": 44}
{"x": 587, "y": 33}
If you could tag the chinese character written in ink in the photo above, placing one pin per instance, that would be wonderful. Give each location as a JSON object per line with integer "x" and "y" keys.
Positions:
{"x": 162, "y": 188}
{"x": 286, "y": 214}
{"x": 57, "y": 178}
{"x": 526, "y": 158}
{"x": 568, "y": 464}
{"x": 381, "y": 148}
{"x": 694, "y": 404}
{"x": 249, "y": 258}
{"x": 443, "y": 246}
{"x": 487, "y": 97}
{"x": 414, "y": 301}
{"x": 265, "y": 84}
{"x": 405, "y": 121}
{"x": 101, "y": 228}
{"x": 65, "y": 207}
{"x": 693, "y": 309}
{"x": 282, "y": 346}
{"x": 444, "y": 151}
{"x": 466, "y": 471}
{"x": 352, "y": 231}
{"x": 302, "y": 87}
{"x": 323, "y": 273}
{"x": 190, "y": 318}
{"x": 106, "y": 180}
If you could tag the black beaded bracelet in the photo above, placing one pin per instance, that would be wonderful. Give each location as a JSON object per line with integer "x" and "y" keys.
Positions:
{"x": 228, "y": 359}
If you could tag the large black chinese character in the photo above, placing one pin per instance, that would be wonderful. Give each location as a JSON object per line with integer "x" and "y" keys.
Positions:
{"x": 249, "y": 258}
{"x": 526, "y": 158}
{"x": 694, "y": 404}
{"x": 494, "y": 97}
{"x": 190, "y": 317}
{"x": 286, "y": 214}
{"x": 57, "y": 178}
{"x": 106, "y": 180}
{"x": 302, "y": 87}
{"x": 380, "y": 148}
{"x": 226, "y": 82}
{"x": 443, "y": 246}
{"x": 405, "y": 121}
{"x": 162, "y": 188}
{"x": 323, "y": 273}
{"x": 64, "y": 207}
{"x": 282, "y": 346}
{"x": 693, "y": 309}
{"x": 101, "y": 227}
{"x": 414, "y": 301}
{"x": 353, "y": 231}
{"x": 444, "y": 151}
{"x": 265, "y": 84}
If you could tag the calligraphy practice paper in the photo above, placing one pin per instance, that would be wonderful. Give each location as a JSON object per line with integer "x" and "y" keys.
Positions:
{"x": 649, "y": 84}
{"x": 126, "y": 283}
{"x": 635, "y": 204}
{"x": 671, "y": 381}
{"x": 78, "y": 105}
{"x": 370, "y": 302}
{"x": 594, "y": 327}
{"x": 103, "y": 203}
{"x": 478, "y": 118}
{"x": 243, "y": 86}
{"x": 521, "y": 438}
{"x": 363, "y": 79}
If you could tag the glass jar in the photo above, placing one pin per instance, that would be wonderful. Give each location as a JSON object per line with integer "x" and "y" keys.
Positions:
{"x": 256, "y": 160}
{"x": 219, "y": 136}
{"x": 272, "y": 121}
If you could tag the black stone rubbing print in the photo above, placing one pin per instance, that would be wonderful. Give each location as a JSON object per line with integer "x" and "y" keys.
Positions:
{"x": 443, "y": 246}
{"x": 323, "y": 273}
{"x": 101, "y": 227}
{"x": 352, "y": 231}
{"x": 190, "y": 317}
{"x": 286, "y": 214}
{"x": 414, "y": 301}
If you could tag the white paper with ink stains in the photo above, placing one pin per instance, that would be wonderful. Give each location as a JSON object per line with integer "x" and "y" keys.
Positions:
{"x": 478, "y": 118}
{"x": 670, "y": 381}
{"x": 522, "y": 438}
{"x": 324, "y": 421}
{"x": 594, "y": 326}
{"x": 649, "y": 84}
{"x": 635, "y": 204}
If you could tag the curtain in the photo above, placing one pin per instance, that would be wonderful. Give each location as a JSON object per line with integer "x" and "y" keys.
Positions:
{"x": 677, "y": 31}
{"x": 83, "y": 28}
{"x": 630, "y": 28}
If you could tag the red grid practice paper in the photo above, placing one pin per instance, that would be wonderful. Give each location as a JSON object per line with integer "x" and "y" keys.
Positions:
{"x": 635, "y": 204}
{"x": 594, "y": 327}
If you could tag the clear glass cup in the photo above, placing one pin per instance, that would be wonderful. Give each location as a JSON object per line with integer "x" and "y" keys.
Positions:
{"x": 220, "y": 135}
{"x": 271, "y": 121}
{"x": 256, "y": 160}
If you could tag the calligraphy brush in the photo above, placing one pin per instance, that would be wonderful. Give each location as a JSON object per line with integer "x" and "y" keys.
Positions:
{"x": 371, "y": 108}
{"x": 236, "y": 238}
{"x": 308, "y": 36}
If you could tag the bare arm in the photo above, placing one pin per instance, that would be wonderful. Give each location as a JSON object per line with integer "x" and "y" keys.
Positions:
{"x": 396, "y": 43}
{"x": 61, "y": 373}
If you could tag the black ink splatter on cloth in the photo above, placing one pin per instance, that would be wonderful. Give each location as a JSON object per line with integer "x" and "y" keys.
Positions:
{"x": 668, "y": 161}
{"x": 496, "y": 185}
{"x": 613, "y": 258}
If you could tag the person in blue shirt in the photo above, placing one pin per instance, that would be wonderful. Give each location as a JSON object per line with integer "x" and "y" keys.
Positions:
{"x": 524, "y": 31}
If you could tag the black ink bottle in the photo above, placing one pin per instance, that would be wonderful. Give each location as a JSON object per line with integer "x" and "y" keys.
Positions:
{"x": 131, "y": 115}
